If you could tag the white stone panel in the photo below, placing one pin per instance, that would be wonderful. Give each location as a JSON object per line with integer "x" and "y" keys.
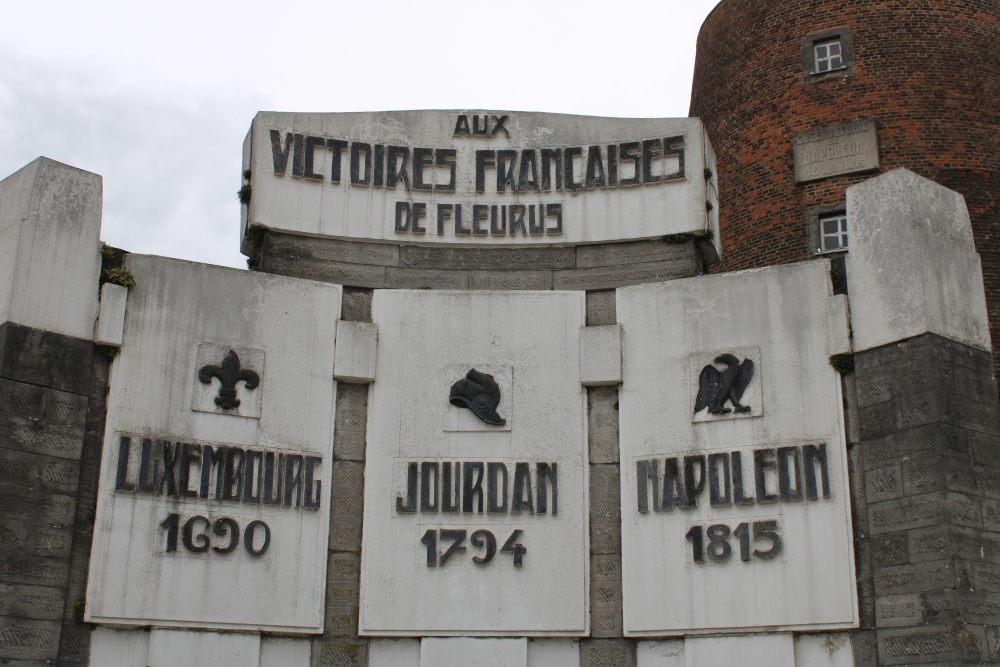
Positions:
{"x": 50, "y": 261}
{"x": 428, "y": 341}
{"x": 179, "y": 648}
{"x": 913, "y": 267}
{"x": 119, "y": 648}
{"x": 357, "y": 344}
{"x": 833, "y": 650}
{"x": 553, "y": 653}
{"x": 111, "y": 320}
{"x": 469, "y": 652}
{"x": 772, "y": 650}
{"x": 663, "y": 653}
{"x": 394, "y": 653}
{"x": 839, "y": 324}
{"x": 286, "y": 652}
{"x": 777, "y": 318}
{"x": 175, "y": 308}
{"x": 601, "y": 355}
{"x": 311, "y": 203}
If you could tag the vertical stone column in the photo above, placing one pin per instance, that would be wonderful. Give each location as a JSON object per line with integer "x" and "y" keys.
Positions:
{"x": 340, "y": 645}
{"x": 607, "y": 648}
{"x": 52, "y": 392}
{"x": 927, "y": 465}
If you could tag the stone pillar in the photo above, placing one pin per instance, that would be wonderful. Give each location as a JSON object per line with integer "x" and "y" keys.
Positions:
{"x": 52, "y": 409}
{"x": 926, "y": 472}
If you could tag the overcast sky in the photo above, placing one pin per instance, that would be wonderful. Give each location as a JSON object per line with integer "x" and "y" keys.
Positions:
{"x": 157, "y": 97}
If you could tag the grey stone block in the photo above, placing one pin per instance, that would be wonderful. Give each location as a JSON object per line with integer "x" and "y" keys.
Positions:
{"x": 484, "y": 259}
{"x": 923, "y": 443}
{"x": 607, "y": 653}
{"x": 510, "y": 280}
{"x": 355, "y": 275}
{"x": 602, "y": 420}
{"x": 93, "y": 445}
{"x": 52, "y": 509}
{"x": 18, "y": 568}
{"x": 865, "y": 647}
{"x": 613, "y": 276}
{"x": 29, "y": 639}
{"x": 866, "y": 613}
{"x": 43, "y": 603}
{"x": 606, "y": 596}
{"x": 74, "y": 643}
{"x": 346, "y": 503}
{"x": 890, "y": 549}
{"x": 351, "y": 421}
{"x": 352, "y": 252}
{"x": 895, "y": 611}
{"x": 45, "y": 358}
{"x": 884, "y": 483}
{"x": 351, "y": 652}
{"x": 907, "y": 513}
{"x": 36, "y": 471}
{"x": 921, "y": 644}
{"x": 357, "y": 304}
{"x": 426, "y": 279}
{"x": 39, "y": 436}
{"x": 917, "y": 578}
{"x": 632, "y": 252}
{"x": 605, "y": 510}
{"x": 931, "y": 543}
{"x": 601, "y": 308}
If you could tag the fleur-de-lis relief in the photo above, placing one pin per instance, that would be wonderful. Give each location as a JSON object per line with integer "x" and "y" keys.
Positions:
{"x": 229, "y": 373}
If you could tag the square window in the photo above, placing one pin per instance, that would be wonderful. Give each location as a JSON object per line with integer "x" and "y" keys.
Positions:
{"x": 828, "y": 56}
{"x": 832, "y": 232}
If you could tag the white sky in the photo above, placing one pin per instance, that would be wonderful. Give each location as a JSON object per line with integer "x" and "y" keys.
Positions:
{"x": 158, "y": 97}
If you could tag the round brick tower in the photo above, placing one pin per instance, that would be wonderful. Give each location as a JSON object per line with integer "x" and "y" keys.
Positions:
{"x": 785, "y": 88}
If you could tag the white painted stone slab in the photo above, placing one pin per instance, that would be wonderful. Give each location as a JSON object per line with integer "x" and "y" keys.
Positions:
{"x": 428, "y": 341}
{"x": 601, "y": 355}
{"x": 663, "y": 653}
{"x": 833, "y": 650}
{"x": 285, "y": 652}
{"x": 179, "y": 648}
{"x": 175, "y": 308}
{"x": 50, "y": 261}
{"x": 111, "y": 320}
{"x": 771, "y": 650}
{"x": 470, "y": 652}
{"x": 300, "y": 195}
{"x": 912, "y": 267}
{"x": 553, "y": 653}
{"x": 669, "y": 327}
{"x": 357, "y": 344}
{"x": 394, "y": 653}
{"x": 119, "y": 648}
{"x": 204, "y": 394}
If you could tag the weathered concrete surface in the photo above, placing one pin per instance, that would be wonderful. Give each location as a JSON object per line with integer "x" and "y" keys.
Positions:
{"x": 913, "y": 268}
{"x": 314, "y": 187}
{"x": 778, "y": 318}
{"x": 429, "y": 340}
{"x": 174, "y": 311}
{"x": 50, "y": 261}
{"x": 471, "y": 652}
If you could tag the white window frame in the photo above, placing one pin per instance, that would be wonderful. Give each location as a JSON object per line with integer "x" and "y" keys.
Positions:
{"x": 828, "y": 62}
{"x": 841, "y": 235}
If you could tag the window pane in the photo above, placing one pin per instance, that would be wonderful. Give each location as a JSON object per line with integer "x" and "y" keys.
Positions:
{"x": 836, "y": 63}
{"x": 843, "y": 241}
{"x": 834, "y": 48}
{"x": 831, "y": 227}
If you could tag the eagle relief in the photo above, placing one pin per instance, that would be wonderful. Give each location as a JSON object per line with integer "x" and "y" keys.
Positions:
{"x": 728, "y": 387}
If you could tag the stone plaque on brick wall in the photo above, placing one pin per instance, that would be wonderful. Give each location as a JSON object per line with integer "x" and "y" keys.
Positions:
{"x": 734, "y": 524}
{"x": 478, "y": 178}
{"x": 476, "y": 473}
{"x": 213, "y": 510}
{"x": 832, "y": 151}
